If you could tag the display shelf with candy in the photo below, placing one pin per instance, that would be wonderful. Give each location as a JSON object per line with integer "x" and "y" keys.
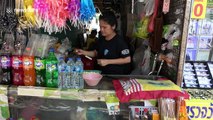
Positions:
{"x": 189, "y": 75}
{"x": 198, "y": 75}
{"x": 200, "y": 94}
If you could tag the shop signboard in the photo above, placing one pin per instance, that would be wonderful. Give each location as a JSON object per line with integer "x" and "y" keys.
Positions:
{"x": 200, "y": 109}
{"x": 199, "y": 9}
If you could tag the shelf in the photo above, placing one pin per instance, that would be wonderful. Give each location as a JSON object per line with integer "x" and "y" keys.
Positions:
{"x": 71, "y": 94}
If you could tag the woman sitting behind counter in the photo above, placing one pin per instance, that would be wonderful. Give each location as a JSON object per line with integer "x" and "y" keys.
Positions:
{"x": 112, "y": 52}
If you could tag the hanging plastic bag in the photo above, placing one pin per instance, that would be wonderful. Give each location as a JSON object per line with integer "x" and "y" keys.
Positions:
{"x": 145, "y": 65}
{"x": 172, "y": 33}
{"x": 39, "y": 45}
{"x": 141, "y": 58}
{"x": 130, "y": 24}
{"x": 152, "y": 19}
{"x": 30, "y": 48}
{"x": 149, "y": 7}
{"x": 137, "y": 56}
{"x": 141, "y": 28}
{"x": 8, "y": 19}
{"x": 64, "y": 46}
{"x": 29, "y": 12}
{"x": 8, "y": 43}
{"x": 20, "y": 43}
{"x": 155, "y": 39}
{"x": 87, "y": 11}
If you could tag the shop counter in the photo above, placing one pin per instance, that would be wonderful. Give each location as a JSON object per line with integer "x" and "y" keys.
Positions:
{"x": 67, "y": 104}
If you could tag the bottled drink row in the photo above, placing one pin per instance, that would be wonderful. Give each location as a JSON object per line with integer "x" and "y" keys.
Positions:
{"x": 41, "y": 71}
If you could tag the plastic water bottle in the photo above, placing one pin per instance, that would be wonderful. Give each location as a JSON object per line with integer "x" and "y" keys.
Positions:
{"x": 61, "y": 73}
{"x": 51, "y": 69}
{"x": 79, "y": 68}
{"x": 69, "y": 72}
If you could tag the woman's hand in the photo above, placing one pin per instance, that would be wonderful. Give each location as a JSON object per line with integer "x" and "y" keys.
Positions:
{"x": 79, "y": 51}
{"x": 86, "y": 53}
{"x": 102, "y": 62}
{"x": 118, "y": 61}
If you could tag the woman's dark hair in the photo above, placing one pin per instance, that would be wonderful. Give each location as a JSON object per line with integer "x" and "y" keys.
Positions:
{"x": 109, "y": 17}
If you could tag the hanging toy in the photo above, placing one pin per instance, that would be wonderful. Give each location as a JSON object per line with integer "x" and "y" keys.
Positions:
{"x": 87, "y": 11}
{"x": 41, "y": 9}
{"x": 2, "y": 14}
{"x": 53, "y": 14}
{"x": 3, "y": 18}
{"x": 74, "y": 7}
{"x": 8, "y": 19}
{"x": 29, "y": 12}
{"x": 11, "y": 17}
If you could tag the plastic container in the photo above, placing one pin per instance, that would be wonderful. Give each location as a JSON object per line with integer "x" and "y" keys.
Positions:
{"x": 62, "y": 83}
{"x": 92, "y": 78}
{"x": 77, "y": 77}
{"x": 69, "y": 72}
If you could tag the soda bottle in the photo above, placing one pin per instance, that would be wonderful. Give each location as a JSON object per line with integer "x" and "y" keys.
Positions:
{"x": 78, "y": 78}
{"x": 17, "y": 70}
{"x": 5, "y": 59}
{"x": 51, "y": 70}
{"x": 62, "y": 83}
{"x": 40, "y": 66}
{"x": 17, "y": 60}
{"x": 6, "y": 67}
{"x": 29, "y": 71}
{"x": 69, "y": 72}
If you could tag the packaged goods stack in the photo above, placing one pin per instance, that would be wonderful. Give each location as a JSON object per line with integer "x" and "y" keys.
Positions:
{"x": 38, "y": 63}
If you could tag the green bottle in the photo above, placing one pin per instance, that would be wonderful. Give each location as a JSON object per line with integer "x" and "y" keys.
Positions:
{"x": 51, "y": 70}
{"x": 40, "y": 65}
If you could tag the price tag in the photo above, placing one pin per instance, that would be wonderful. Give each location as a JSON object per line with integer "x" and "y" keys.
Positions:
{"x": 199, "y": 9}
{"x": 52, "y": 93}
{"x": 166, "y": 4}
{"x": 31, "y": 91}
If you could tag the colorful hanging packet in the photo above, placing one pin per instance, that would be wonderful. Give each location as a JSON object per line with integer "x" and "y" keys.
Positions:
{"x": 54, "y": 14}
{"x": 29, "y": 12}
{"x": 141, "y": 28}
{"x": 87, "y": 10}
{"x": 8, "y": 19}
{"x": 74, "y": 8}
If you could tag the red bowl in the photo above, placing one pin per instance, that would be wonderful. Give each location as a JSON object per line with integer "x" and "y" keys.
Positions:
{"x": 92, "y": 79}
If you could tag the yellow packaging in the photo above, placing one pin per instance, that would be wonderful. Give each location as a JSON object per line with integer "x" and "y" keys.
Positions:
{"x": 155, "y": 116}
